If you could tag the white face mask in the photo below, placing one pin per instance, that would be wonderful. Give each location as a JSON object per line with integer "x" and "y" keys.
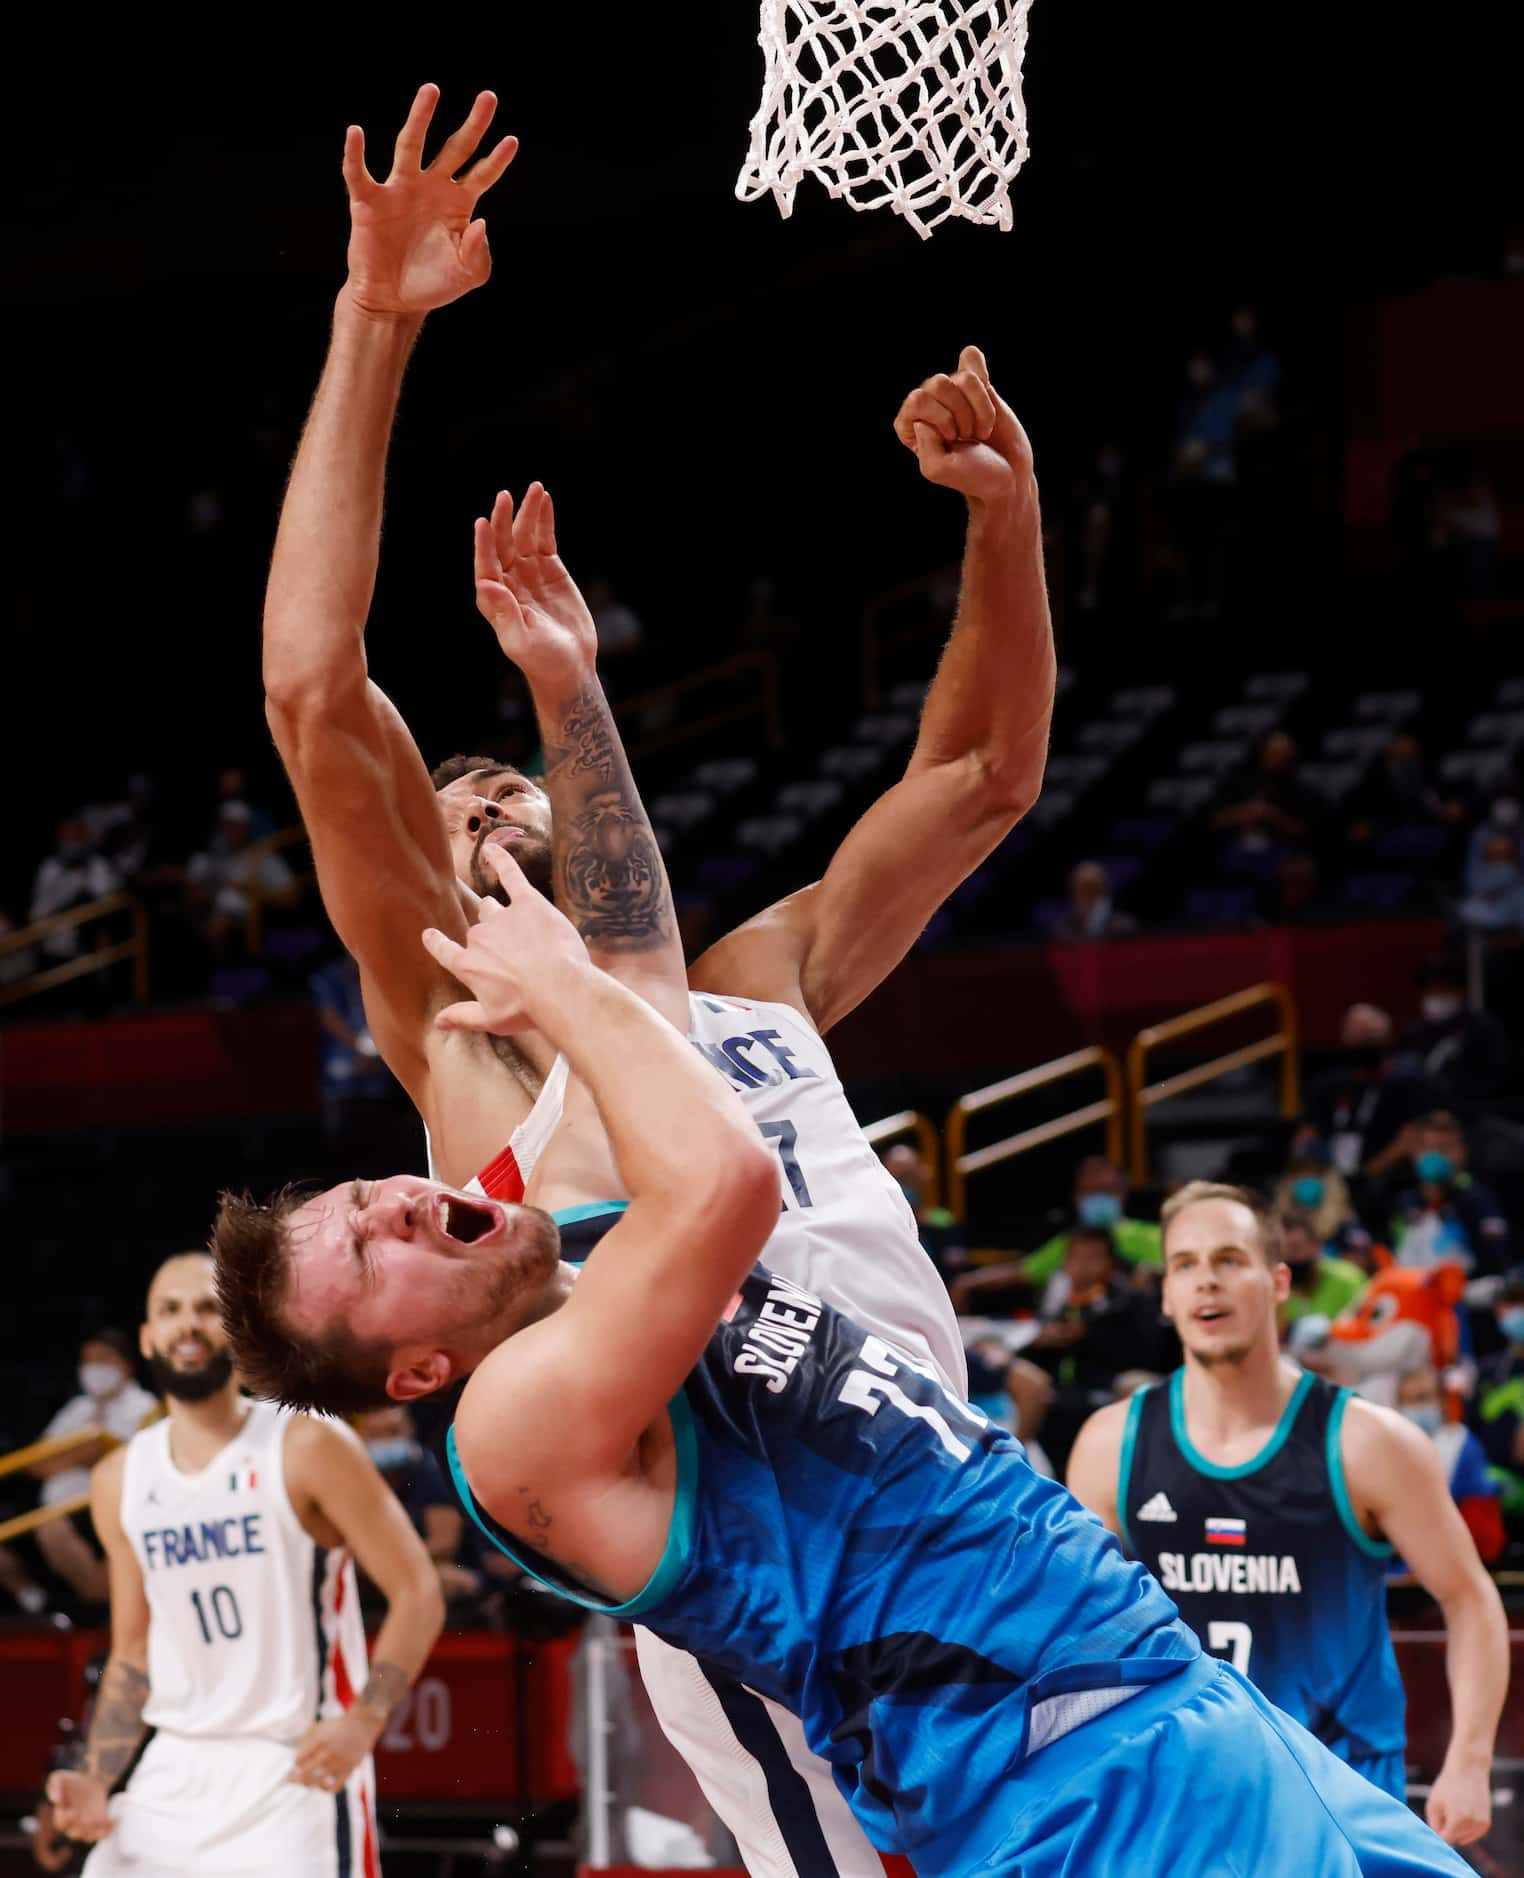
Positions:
{"x": 1440, "y": 1006}
{"x": 99, "y": 1380}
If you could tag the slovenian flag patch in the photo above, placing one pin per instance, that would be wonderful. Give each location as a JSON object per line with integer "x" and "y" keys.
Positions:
{"x": 1225, "y": 1532}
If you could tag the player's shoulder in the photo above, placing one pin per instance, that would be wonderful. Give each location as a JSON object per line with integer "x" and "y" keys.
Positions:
{"x": 1104, "y": 1432}
{"x": 1377, "y": 1444}
{"x": 107, "y": 1479}
{"x": 315, "y": 1438}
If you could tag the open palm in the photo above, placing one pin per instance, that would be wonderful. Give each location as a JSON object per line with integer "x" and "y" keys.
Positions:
{"x": 525, "y": 593}
{"x": 413, "y": 244}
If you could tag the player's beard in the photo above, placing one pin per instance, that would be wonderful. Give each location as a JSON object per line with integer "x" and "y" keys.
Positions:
{"x": 533, "y": 856}
{"x": 191, "y": 1385}
{"x": 1223, "y": 1359}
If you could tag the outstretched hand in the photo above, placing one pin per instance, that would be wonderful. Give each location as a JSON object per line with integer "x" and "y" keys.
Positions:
{"x": 511, "y": 954}
{"x": 413, "y": 244}
{"x": 964, "y": 434}
{"x": 525, "y": 594}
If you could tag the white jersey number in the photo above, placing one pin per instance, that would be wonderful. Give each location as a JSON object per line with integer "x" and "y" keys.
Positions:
{"x": 864, "y": 1387}
{"x": 1234, "y": 1641}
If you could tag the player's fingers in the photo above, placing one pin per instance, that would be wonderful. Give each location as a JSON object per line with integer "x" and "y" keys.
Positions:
{"x": 357, "y": 178}
{"x": 924, "y": 407}
{"x": 476, "y": 251}
{"x": 930, "y": 448}
{"x": 507, "y": 870}
{"x": 407, "y": 153}
{"x": 542, "y": 522}
{"x": 526, "y": 531}
{"x": 980, "y": 402}
{"x": 481, "y": 176}
{"x": 452, "y": 956}
{"x": 461, "y": 144}
{"x": 469, "y": 1016}
{"x": 971, "y": 359}
{"x": 947, "y": 390}
{"x": 487, "y": 560}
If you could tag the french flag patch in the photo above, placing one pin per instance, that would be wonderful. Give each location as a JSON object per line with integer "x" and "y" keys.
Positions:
{"x": 1226, "y": 1532}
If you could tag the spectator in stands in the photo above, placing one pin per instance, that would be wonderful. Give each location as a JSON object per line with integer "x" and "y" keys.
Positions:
{"x": 1421, "y": 1399}
{"x": 1464, "y": 1053}
{"x": 1503, "y": 817}
{"x": 351, "y": 1066}
{"x": 1091, "y": 913}
{"x": 1494, "y": 901}
{"x": 1315, "y": 1189}
{"x": 1445, "y": 1213}
{"x": 939, "y": 1232}
{"x": 73, "y": 875}
{"x": 1496, "y": 1410}
{"x": 1361, "y": 1106}
{"x": 1095, "y": 1324}
{"x": 233, "y": 786}
{"x": 1399, "y": 793}
{"x": 112, "y": 1401}
{"x": 413, "y": 1475}
{"x": 1100, "y": 1201}
{"x": 1270, "y": 807}
{"x": 1321, "y": 1284}
{"x": 1248, "y": 367}
{"x": 223, "y": 878}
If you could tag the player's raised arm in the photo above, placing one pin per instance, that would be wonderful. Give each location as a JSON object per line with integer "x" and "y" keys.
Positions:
{"x": 978, "y": 760}
{"x": 1394, "y": 1475}
{"x": 326, "y": 1465}
{"x": 610, "y": 880}
{"x": 703, "y": 1187}
{"x": 382, "y": 856}
{"x": 78, "y": 1796}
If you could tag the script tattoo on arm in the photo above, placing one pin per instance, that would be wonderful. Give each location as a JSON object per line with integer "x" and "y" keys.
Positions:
{"x": 116, "y": 1729}
{"x": 610, "y": 881}
{"x": 385, "y": 1689}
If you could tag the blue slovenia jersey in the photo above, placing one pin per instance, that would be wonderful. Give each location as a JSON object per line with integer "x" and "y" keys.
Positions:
{"x": 855, "y": 1543}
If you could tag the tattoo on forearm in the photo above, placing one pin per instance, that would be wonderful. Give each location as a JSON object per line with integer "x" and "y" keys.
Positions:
{"x": 116, "y": 1730}
{"x": 609, "y": 877}
{"x": 385, "y": 1689}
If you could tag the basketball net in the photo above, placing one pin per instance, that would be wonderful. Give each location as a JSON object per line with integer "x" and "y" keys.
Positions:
{"x": 914, "y": 106}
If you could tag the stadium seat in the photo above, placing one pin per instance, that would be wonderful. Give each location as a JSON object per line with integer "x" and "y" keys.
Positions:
{"x": 726, "y": 774}
{"x": 1282, "y": 687}
{"x": 1218, "y": 757}
{"x": 1110, "y": 733}
{"x": 1484, "y": 768}
{"x": 1246, "y": 720}
{"x": 1390, "y": 707}
{"x": 1075, "y": 772}
{"x": 853, "y": 761}
{"x": 884, "y": 728}
{"x": 1377, "y": 893}
{"x": 684, "y": 808}
{"x": 1419, "y": 843}
{"x": 1336, "y": 781}
{"x": 1511, "y": 693}
{"x": 770, "y": 834}
{"x": 1051, "y": 807}
{"x": 1186, "y": 793}
{"x": 1145, "y": 701}
{"x": 1143, "y": 834}
{"x": 810, "y": 800}
{"x": 1357, "y": 742}
{"x": 1219, "y": 906}
{"x": 1498, "y": 729}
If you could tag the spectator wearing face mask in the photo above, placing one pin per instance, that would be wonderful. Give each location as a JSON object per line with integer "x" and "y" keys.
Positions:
{"x": 1494, "y": 901}
{"x": 1321, "y": 1284}
{"x": 1315, "y": 1189}
{"x": 414, "y": 1476}
{"x": 1445, "y": 1213}
{"x": 1091, "y": 913}
{"x": 111, "y": 1400}
{"x": 1496, "y": 1409}
{"x": 1462, "y": 1052}
{"x": 1475, "y": 1493}
{"x": 1361, "y": 1106}
{"x": 1100, "y": 1200}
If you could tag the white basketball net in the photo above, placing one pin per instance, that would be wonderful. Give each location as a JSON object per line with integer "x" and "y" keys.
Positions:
{"x": 915, "y": 106}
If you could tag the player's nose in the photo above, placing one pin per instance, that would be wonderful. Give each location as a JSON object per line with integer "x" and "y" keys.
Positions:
{"x": 482, "y": 811}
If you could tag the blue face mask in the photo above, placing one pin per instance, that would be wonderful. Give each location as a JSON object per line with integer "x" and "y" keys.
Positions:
{"x": 1434, "y": 1168}
{"x": 1428, "y": 1416}
{"x": 1511, "y": 1323}
{"x": 398, "y": 1452}
{"x": 1100, "y": 1209}
{"x": 1307, "y": 1191}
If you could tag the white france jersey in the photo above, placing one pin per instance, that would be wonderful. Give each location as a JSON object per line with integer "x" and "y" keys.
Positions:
{"x": 506, "y": 1177}
{"x": 254, "y": 1627}
{"x": 846, "y": 1232}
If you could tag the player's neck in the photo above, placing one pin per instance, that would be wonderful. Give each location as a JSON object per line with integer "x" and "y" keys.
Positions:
{"x": 198, "y": 1430}
{"x": 1226, "y": 1399}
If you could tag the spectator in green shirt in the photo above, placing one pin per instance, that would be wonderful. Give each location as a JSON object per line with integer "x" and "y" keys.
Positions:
{"x": 1321, "y": 1286}
{"x": 1100, "y": 1201}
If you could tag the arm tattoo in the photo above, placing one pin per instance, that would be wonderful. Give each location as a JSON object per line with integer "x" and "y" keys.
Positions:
{"x": 385, "y": 1689}
{"x": 610, "y": 881}
{"x": 116, "y": 1728}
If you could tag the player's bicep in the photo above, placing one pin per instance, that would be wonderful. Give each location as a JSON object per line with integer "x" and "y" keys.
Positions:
{"x": 1395, "y": 1473}
{"x": 128, "y": 1593}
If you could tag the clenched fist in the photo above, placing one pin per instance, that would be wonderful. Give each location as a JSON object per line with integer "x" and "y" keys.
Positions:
{"x": 964, "y": 435}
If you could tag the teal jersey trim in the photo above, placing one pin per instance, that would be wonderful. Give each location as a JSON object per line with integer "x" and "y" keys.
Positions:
{"x": 1372, "y": 1548}
{"x": 1124, "y": 1469}
{"x": 595, "y": 1209}
{"x": 679, "y": 1533}
{"x": 1266, "y": 1454}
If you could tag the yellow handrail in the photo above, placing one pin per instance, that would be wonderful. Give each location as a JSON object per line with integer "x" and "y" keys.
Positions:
{"x": 762, "y": 702}
{"x": 42, "y": 1516}
{"x": 961, "y": 1164}
{"x": 135, "y": 948}
{"x": 1143, "y": 1096}
{"x": 910, "y": 1122}
{"x": 51, "y": 1446}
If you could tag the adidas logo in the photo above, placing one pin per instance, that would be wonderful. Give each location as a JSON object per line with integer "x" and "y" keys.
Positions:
{"x": 1157, "y": 1508}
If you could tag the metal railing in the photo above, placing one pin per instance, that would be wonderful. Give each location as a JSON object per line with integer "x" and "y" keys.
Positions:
{"x": 910, "y": 1122}
{"x": 46, "y": 1450}
{"x": 760, "y": 699}
{"x": 1143, "y": 1095}
{"x": 962, "y": 1162}
{"x": 99, "y": 959}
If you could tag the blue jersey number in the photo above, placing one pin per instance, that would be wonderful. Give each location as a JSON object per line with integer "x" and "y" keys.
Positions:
{"x": 787, "y": 1137}
{"x": 220, "y": 1609}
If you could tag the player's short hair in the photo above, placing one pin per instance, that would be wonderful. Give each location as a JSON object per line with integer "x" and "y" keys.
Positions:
{"x": 1194, "y": 1192}
{"x": 333, "y": 1373}
{"x": 454, "y": 767}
